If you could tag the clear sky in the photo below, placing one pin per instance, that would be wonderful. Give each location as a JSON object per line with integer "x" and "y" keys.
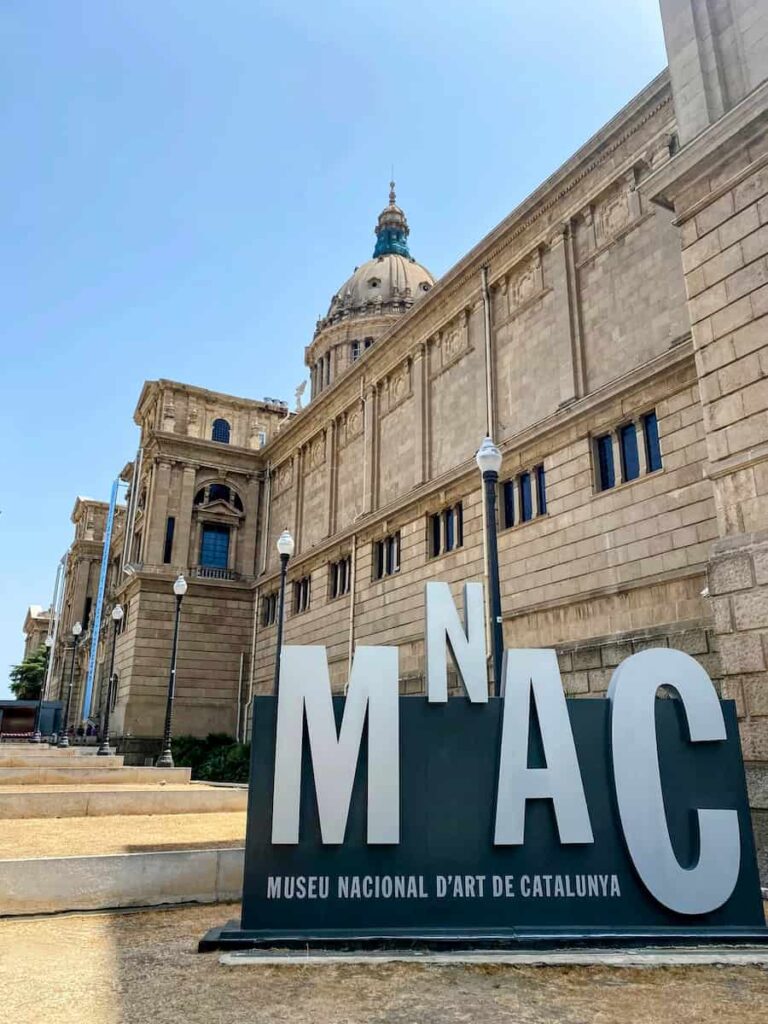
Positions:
{"x": 187, "y": 182}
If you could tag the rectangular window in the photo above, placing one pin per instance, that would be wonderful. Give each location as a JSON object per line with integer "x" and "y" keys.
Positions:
{"x": 526, "y": 499}
{"x": 434, "y": 535}
{"x": 652, "y": 446}
{"x": 269, "y": 609}
{"x": 355, "y": 350}
{"x": 262, "y": 438}
{"x": 87, "y": 613}
{"x": 214, "y": 547}
{"x": 340, "y": 577}
{"x": 301, "y": 595}
{"x": 508, "y": 502}
{"x": 170, "y": 525}
{"x": 630, "y": 460}
{"x": 604, "y": 451}
{"x": 386, "y": 556}
{"x": 541, "y": 490}
{"x": 448, "y": 529}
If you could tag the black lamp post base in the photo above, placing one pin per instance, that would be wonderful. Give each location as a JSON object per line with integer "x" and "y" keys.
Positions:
{"x": 165, "y": 760}
{"x": 37, "y": 738}
{"x": 103, "y": 750}
{"x": 63, "y": 742}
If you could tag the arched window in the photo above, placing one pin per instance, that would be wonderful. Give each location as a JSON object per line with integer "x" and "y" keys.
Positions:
{"x": 218, "y": 492}
{"x": 220, "y": 431}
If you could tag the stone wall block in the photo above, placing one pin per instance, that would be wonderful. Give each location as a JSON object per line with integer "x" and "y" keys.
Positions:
{"x": 728, "y": 574}
{"x": 576, "y": 682}
{"x": 741, "y": 653}
{"x": 721, "y": 610}
{"x": 586, "y": 658}
{"x": 755, "y": 689}
{"x": 599, "y": 678}
{"x": 750, "y": 609}
{"x": 754, "y": 739}
{"x": 692, "y": 641}
{"x": 613, "y": 654}
{"x": 760, "y": 559}
{"x": 731, "y": 689}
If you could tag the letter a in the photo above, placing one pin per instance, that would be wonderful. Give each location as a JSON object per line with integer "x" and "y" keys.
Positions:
{"x": 525, "y": 673}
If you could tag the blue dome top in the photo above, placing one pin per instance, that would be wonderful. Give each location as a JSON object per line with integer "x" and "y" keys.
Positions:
{"x": 392, "y": 229}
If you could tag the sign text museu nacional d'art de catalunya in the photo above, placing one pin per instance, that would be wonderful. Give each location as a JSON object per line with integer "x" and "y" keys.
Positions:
{"x": 530, "y": 816}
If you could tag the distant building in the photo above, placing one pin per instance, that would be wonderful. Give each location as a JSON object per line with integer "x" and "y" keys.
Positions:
{"x": 611, "y": 332}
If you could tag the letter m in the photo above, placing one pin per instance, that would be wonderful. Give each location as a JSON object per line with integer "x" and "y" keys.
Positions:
{"x": 305, "y": 689}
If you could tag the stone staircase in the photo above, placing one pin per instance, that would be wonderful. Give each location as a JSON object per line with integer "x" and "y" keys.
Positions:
{"x": 80, "y": 832}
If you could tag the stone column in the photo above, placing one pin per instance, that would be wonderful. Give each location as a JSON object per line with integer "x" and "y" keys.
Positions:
{"x": 559, "y": 248}
{"x": 155, "y": 523}
{"x": 246, "y": 562}
{"x": 331, "y": 470}
{"x": 369, "y": 442}
{"x": 182, "y": 557}
{"x": 422, "y": 412}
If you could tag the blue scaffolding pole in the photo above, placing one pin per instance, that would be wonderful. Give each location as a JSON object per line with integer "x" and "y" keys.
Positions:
{"x": 88, "y": 694}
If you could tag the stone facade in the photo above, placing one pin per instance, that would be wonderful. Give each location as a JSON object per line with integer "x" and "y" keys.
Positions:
{"x": 610, "y": 334}
{"x": 36, "y": 625}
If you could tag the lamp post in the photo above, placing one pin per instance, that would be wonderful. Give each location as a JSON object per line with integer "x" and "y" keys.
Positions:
{"x": 488, "y": 460}
{"x": 166, "y": 758}
{"x": 286, "y": 547}
{"x": 117, "y": 618}
{"x": 37, "y": 736}
{"x": 77, "y": 629}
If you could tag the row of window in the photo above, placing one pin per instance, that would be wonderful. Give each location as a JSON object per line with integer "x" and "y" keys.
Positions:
{"x": 356, "y": 348}
{"x": 625, "y": 439}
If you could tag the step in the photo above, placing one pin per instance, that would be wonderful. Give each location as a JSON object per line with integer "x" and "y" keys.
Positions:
{"x": 88, "y": 774}
{"x": 101, "y": 801}
{"x": 43, "y": 750}
{"x": 48, "y": 761}
{"x": 49, "y": 885}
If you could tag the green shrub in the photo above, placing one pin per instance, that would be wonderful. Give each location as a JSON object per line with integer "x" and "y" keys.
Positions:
{"x": 192, "y": 751}
{"x": 227, "y": 764}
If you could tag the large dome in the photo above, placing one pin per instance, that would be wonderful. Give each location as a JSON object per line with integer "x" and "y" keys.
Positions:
{"x": 390, "y": 282}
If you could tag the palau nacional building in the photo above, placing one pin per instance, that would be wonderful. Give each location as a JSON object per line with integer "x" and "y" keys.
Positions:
{"x": 611, "y": 335}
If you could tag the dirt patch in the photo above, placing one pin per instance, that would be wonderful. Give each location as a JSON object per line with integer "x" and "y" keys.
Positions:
{"x": 143, "y": 969}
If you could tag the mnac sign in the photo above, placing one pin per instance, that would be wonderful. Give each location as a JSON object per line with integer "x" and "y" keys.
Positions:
{"x": 529, "y": 817}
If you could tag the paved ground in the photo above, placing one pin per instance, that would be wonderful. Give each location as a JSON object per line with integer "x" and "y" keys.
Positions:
{"x": 142, "y": 968}
{"x": 99, "y": 787}
{"x": 76, "y": 837}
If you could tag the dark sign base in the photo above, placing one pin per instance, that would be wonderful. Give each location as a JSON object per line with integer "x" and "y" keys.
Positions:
{"x": 231, "y": 936}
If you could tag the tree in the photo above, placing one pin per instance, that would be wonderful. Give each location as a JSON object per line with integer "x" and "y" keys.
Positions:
{"x": 27, "y": 678}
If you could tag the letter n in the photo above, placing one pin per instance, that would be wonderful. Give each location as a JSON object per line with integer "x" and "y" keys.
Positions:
{"x": 305, "y": 688}
{"x": 467, "y": 642}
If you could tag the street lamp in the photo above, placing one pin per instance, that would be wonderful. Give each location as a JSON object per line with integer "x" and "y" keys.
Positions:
{"x": 77, "y": 629}
{"x": 488, "y": 460}
{"x": 166, "y": 758}
{"x": 285, "y": 547}
{"x": 117, "y": 618}
{"x": 37, "y": 736}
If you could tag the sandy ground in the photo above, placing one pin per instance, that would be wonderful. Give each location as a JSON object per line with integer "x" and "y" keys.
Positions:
{"x": 74, "y": 837}
{"x": 142, "y": 968}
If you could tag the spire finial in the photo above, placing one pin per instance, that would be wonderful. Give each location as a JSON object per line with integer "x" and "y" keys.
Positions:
{"x": 392, "y": 196}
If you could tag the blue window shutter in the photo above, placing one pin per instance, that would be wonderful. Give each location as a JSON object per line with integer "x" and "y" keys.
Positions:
{"x": 220, "y": 431}
{"x": 214, "y": 547}
{"x": 541, "y": 489}
{"x": 630, "y": 461}
{"x": 526, "y": 503}
{"x": 652, "y": 446}
{"x": 606, "y": 478}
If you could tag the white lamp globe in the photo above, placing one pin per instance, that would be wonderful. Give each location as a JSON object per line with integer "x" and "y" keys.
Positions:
{"x": 49, "y": 641}
{"x": 285, "y": 544}
{"x": 117, "y": 613}
{"x": 77, "y": 629}
{"x": 180, "y": 586}
{"x": 488, "y": 457}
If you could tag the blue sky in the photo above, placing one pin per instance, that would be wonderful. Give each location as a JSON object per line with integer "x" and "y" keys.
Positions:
{"x": 186, "y": 183}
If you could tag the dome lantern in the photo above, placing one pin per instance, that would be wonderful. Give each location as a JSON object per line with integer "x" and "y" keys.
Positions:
{"x": 392, "y": 229}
